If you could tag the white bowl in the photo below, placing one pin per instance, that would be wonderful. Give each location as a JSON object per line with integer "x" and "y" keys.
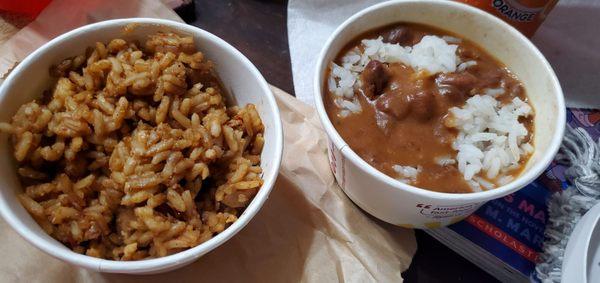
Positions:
{"x": 408, "y": 206}
{"x": 27, "y": 81}
{"x": 581, "y": 260}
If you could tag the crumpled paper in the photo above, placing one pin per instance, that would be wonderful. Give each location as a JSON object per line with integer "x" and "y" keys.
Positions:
{"x": 568, "y": 39}
{"x": 308, "y": 230}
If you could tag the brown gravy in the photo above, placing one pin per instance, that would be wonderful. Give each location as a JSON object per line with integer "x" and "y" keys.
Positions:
{"x": 402, "y": 115}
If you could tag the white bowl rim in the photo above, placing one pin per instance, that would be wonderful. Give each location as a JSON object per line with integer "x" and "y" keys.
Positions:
{"x": 162, "y": 263}
{"x": 521, "y": 181}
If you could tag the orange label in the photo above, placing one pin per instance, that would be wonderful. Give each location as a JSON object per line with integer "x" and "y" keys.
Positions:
{"x": 525, "y": 15}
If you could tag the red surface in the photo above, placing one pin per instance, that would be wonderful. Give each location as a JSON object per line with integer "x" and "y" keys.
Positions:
{"x": 30, "y": 8}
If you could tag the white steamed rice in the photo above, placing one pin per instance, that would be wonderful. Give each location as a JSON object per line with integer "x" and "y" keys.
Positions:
{"x": 491, "y": 138}
{"x": 465, "y": 65}
{"x": 407, "y": 174}
{"x": 445, "y": 160}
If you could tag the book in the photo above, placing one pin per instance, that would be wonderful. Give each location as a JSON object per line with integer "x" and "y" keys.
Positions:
{"x": 505, "y": 236}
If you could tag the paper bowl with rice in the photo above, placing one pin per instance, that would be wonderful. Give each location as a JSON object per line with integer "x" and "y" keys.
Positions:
{"x": 433, "y": 108}
{"x": 135, "y": 145}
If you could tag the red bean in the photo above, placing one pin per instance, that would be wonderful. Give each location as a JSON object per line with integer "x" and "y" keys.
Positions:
{"x": 395, "y": 104}
{"x": 400, "y": 35}
{"x": 463, "y": 81}
{"x": 374, "y": 78}
{"x": 468, "y": 53}
{"x": 423, "y": 104}
{"x": 453, "y": 93}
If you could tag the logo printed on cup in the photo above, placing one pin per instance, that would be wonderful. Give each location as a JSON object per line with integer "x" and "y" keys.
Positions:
{"x": 449, "y": 211}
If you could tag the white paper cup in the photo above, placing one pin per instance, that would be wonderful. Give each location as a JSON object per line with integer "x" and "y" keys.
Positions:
{"x": 408, "y": 206}
{"x": 30, "y": 78}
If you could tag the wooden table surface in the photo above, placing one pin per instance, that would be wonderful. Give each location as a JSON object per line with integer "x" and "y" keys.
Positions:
{"x": 259, "y": 30}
